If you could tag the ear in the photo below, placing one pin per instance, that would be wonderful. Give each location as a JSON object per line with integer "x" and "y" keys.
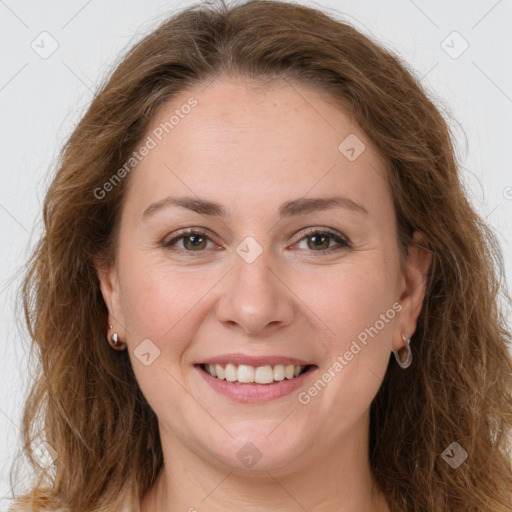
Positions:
{"x": 106, "y": 271}
{"x": 414, "y": 282}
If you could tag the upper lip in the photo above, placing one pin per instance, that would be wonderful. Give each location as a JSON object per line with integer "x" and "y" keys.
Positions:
{"x": 254, "y": 360}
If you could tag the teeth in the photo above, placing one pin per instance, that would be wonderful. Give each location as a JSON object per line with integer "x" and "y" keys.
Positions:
{"x": 218, "y": 370}
{"x": 245, "y": 373}
{"x": 264, "y": 375}
{"x": 260, "y": 375}
{"x": 279, "y": 373}
{"x": 231, "y": 373}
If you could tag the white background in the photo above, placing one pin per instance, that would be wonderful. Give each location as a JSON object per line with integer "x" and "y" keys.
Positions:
{"x": 42, "y": 99}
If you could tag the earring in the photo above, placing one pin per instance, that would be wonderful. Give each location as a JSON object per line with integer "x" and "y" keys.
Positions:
{"x": 115, "y": 338}
{"x": 408, "y": 360}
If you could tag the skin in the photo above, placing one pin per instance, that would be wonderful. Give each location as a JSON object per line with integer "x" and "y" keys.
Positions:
{"x": 251, "y": 149}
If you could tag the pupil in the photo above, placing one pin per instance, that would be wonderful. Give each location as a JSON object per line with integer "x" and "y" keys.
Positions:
{"x": 195, "y": 240}
{"x": 316, "y": 238}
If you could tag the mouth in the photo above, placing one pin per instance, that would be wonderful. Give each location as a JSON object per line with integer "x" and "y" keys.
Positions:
{"x": 254, "y": 384}
{"x": 262, "y": 375}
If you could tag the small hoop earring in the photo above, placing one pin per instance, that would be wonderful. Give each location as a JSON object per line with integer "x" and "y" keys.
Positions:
{"x": 408, "y": 359}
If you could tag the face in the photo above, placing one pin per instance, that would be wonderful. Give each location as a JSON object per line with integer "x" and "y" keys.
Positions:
{"x": 278, "y": 278}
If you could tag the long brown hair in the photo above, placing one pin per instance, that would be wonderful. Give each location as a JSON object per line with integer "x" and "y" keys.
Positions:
{"x": 85, "y": 401}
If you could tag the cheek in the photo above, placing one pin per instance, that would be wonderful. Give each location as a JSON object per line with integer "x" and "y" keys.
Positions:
{"x": 356, "y": 340}
{"x": 351, "y": 299}
{"x": 158, "y": 302}
{"x": 357, "y": 313}
{"x": 161, "y": 305}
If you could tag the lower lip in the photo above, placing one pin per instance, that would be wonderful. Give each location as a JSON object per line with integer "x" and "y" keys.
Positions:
{"x": 251, "y": 392}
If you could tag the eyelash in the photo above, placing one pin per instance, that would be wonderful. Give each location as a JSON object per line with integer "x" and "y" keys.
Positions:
{"x": 343, "y": 242}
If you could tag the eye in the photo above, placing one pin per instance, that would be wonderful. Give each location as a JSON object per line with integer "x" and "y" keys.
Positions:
{"x": 195, "y": 240}
{"x": 321, "y": 239}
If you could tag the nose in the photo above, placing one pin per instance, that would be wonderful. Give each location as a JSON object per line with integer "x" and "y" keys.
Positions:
{"x": 255, "y": 298}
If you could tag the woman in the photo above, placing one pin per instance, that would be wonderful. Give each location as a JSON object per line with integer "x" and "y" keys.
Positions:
{"x": 262, "y": 287}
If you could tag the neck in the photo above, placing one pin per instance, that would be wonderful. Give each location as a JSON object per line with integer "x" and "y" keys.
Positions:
{"x": 335, "y": 479}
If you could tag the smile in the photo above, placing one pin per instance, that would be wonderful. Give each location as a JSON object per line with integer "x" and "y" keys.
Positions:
{"x": 254, "y": 384}
{"x": 244, "y": 374}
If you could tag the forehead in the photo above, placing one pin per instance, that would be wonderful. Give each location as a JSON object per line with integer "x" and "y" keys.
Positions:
{"x": 240, "y": 142}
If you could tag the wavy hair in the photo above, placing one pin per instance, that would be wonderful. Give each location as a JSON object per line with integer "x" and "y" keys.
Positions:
{"x": 84, "y": 400}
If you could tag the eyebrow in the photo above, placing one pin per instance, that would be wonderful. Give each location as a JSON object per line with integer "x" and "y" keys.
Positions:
{"x": 291, "y": 208}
